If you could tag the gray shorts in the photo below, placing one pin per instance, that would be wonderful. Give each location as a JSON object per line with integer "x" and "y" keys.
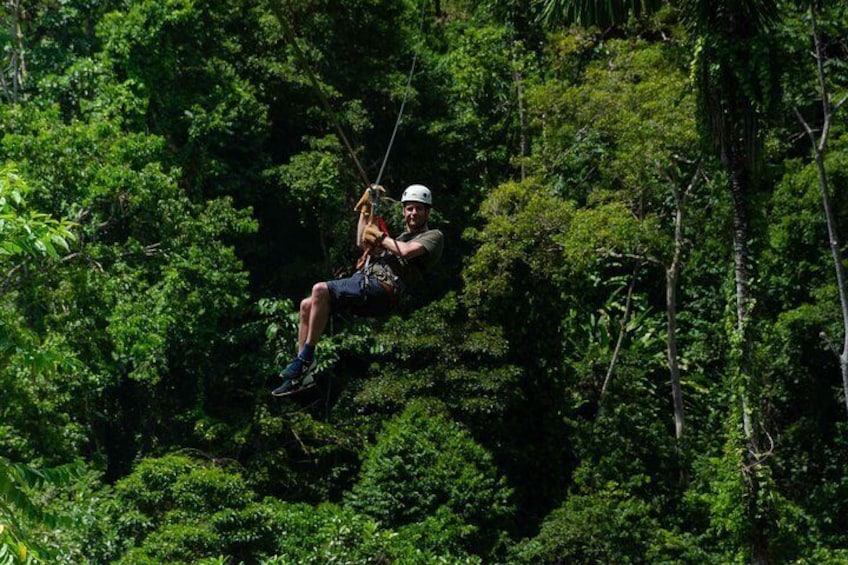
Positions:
{"x": 360, "y": 296}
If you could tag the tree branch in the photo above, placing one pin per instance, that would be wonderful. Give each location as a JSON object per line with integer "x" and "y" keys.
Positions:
{"x": 625, "y": 319}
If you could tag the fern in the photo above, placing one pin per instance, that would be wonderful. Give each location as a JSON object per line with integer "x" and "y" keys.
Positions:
{"x": 18, "y": 508}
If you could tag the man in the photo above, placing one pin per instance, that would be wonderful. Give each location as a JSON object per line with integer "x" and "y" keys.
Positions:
{"x": 392, "y": 265}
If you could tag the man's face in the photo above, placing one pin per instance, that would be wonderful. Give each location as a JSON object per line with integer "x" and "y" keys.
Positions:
{"x": 415, "y": 215}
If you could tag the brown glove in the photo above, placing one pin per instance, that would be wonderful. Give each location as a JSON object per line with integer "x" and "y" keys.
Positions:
{"x": 373, "y": 235}
{"x": 363, "y": 205}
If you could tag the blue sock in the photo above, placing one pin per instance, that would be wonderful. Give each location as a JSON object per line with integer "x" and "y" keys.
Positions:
{"x": 308, "y": 352}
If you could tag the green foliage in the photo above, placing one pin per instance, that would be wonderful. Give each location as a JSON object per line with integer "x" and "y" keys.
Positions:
{"x": 176, "y": 510}
{"x": 424, "y": 465}
{"x": 510, "y": 210}
{"x": 801, "y": 86}
{"x": 609, "y": 525}
{"x": 586, "y": 12}
{"x": 312, "y": 179}
{"x": 182, "y": 510}
{"x": 332, "y": 534}
{"x": 195, "y": 94}
{"x": 439, "y": 352}
{"x": 23, "y": 517}
{"x": 172, "y": 183}
{"x": 485, "y": 66}
{"x": 568, "y": 246}
{"x": 31, "y": 242}
{"x": 25, "y": 232}
{"x": 803, "y": 343}
{"x": 147, "y": 293}
{"x": 726, "y": 495}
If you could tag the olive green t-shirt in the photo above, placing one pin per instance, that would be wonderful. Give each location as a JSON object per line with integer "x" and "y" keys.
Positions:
{"x": 401, "y": 273}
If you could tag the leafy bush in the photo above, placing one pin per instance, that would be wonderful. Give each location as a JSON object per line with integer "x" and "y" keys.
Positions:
{"x": 610, "y": 526}
{"x": 178, "y": 510}
{"x": 175, "y": 509}
{"x": 424, "y": 465}
{"x": 332, "y": 534}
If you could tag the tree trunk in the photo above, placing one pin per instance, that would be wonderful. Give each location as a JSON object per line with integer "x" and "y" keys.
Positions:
{"x": 672, "y": 276}
{"x": 625, "y": 319}
{"x": 741, "y": 266}
{"x": 522, "y": 121}
{"x": 518, "y": 79}
{"x": 741, "y": 253}
{"x": 839, "y": 268}
{"x": 819, "y": 146}
{"x": 12, "y": 77}
{"x": 747, "y": 383}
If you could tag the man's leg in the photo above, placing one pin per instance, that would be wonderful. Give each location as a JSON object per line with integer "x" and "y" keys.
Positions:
{"x": 318, "y": 313}
{"x": 313, "y": 316}
{"x": 303, "y": 324}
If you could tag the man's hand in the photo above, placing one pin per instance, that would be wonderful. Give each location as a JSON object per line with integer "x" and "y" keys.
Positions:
{"x": 363, "y": 205}
{"x": 373, "y": 235}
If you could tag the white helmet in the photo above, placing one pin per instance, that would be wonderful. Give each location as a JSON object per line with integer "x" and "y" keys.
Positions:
{"x": 417, "y": 193}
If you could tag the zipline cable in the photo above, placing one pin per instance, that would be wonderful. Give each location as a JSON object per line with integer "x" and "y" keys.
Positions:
{"x": 275, "y": 7}
{"x": 284, "y": 22}
{"x": 405, "y": 93}
{"x": 375, "y": 193}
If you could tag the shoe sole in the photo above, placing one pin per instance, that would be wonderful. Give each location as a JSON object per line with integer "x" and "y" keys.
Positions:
{"x": 294, "y": 390}
{"x": 307, "y": 379}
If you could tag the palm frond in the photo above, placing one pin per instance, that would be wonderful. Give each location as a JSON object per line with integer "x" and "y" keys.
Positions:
{"x": 602, "y": 13}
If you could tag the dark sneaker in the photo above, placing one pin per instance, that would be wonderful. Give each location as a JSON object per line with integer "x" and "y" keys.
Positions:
{"x": 289, "y": 386}
{"x": 297, "y": 375}
{"x": 298, "y": 368}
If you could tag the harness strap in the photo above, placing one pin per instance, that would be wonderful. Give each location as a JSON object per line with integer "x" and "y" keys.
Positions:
{"x": 394, "y": 296}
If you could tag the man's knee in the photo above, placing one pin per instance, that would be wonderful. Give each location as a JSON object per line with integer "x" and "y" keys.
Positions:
{"x": 305, "y": 306}
{"x": 320, "y": 292}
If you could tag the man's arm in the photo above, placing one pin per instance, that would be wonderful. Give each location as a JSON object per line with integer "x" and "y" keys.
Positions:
{"x": 360, "y": 228}
{"x": 403, "y": 249}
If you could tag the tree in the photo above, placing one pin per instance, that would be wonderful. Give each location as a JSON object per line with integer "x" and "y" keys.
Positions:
{"x": 736, "y": 84}
{"x": 32, "y": 244}
{"x": 14, "y": 72}
{"x": 195, "y": 94}
{"x": 423, "y": 466}
{"x": 184, "y": 509}
{"x": 609, "y": 525}
{"x": 141, "y": 300}
{"x": 819, "y": 144}
{"x": 635, "y": 100}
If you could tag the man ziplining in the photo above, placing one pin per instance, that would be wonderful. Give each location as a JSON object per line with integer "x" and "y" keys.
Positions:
{"x": 390, "y": 266}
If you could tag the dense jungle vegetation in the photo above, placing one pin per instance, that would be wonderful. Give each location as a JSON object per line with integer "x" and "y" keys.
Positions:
{"x": 635, "y": 348}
